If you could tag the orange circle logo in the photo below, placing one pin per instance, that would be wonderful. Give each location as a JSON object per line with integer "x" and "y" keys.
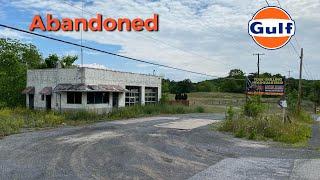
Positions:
{"x": 271, "y": 27}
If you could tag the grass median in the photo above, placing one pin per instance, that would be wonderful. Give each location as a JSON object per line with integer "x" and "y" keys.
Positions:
{"x": 12, "y": 121}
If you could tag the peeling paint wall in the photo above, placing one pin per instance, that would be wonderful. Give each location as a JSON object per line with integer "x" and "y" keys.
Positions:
{"x": 41, "y": 78}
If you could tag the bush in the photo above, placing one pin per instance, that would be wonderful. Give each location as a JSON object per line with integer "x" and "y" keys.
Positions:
{"x": 9, "y": 124}
{"x": 12, "y": 120}
{"x": 81, "y": 116}
{"x": 164, "y": 98}
{"x": 253, "y": 107}
{"x": 200, "y": 109}
{"x": 271, "y": 127}
{"x": 140, "y": 111}
{"x": 230, "y": 113}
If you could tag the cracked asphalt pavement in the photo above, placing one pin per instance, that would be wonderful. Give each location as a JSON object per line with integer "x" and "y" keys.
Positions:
{"x": 162, "y": 147}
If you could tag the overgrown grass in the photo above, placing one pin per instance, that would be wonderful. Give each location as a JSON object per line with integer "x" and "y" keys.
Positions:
{"x": 140, "y": 111}
{"x": 13, "y": 120}
{"x": 266, "y": 126}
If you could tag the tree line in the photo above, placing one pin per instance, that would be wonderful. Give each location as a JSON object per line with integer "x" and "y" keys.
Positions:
{"x": 15, "y": 58}
{"x": 235, "y": 83}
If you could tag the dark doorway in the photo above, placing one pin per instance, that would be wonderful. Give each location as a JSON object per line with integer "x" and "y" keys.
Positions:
{"x": 115, "y": 100}
{"x": 31, "y": 101}
{"x": 48, "y": 102}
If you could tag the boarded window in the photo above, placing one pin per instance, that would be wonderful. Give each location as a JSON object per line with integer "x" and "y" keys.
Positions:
{"x": 97, "y": 98}
{"x": 74, "y": 98}
{"x": 151, "y": 95}
{"x": 133, "y": 95}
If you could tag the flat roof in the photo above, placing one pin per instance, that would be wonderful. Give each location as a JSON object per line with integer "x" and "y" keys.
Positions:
{"x": 98, "y": 69}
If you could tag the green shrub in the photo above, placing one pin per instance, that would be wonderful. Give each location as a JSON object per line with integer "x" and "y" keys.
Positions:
{"x": 200, "y": 109}
{"x": 153, "y": 109}
{"x": 81, "y": 116}
{"x": 253, "y": 107}
{"x": 12, "y": 120}
{"x": 9, "y": 124}
{"x": 271, "y": 127}
{"x": 164, "y": 98}
{"x": 230, "y": 113}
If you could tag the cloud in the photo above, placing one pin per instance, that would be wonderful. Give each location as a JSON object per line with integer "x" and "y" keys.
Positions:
{"x": 8, "y": 33}
{"x": 94, "y": 65}
{"x": 205, "y": 36}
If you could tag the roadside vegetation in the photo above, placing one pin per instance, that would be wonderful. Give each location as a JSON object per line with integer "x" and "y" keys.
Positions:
{"x": 256, "y": 122}
{"x": 14, "y": 120}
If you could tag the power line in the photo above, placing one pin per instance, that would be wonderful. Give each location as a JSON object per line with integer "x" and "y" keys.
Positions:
{"x": 267, "y": 3}
{"x": 103, "y": 51}
{"x": 312, "y": 77}
{"x": 154, "y": 39}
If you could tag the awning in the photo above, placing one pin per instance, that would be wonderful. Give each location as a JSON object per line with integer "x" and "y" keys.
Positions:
{"x": 70, "y": 87}
{"x": 46, "y": 91}
{"x": 88, "y": 88}
{"x": 28, "y": 90}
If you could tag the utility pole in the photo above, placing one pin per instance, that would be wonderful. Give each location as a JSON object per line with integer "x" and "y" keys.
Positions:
{"x": 258, "y": 64}
{"x": 287, "y": 81}
{"x": 82, "y": 7}
{"x": 300, "y": 83}
{"x": 316, "y": 95}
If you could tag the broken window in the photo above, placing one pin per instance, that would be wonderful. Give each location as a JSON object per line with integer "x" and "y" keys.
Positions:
{"x": 132, "y": 96}
{"x": 97, "y": 98}
{"x": 151, "y": 95}
{"x": 74, "y": 98}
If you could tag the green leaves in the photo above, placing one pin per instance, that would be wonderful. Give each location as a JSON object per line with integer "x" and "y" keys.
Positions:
{"x": 15, "y": 58}
{"x": 66, "y": 61}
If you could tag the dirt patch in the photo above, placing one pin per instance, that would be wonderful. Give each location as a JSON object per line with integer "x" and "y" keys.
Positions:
{"x": 139, "y": 120}
{"x": 187, "y": 124}
{"x": 81, "y": 138}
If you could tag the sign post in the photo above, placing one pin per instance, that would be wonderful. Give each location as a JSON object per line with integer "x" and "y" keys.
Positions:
{"x": 283, "y": 104}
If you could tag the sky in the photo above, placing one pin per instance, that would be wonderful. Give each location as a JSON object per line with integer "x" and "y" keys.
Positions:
{"x": 207, "y": 36}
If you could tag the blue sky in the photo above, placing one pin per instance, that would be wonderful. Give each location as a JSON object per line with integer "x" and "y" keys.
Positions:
{"x": 199, "y": 35}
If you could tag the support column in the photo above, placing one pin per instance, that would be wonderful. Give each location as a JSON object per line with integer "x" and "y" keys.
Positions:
{"x": 122, "y": 99}
{"x": 159, "y": 93}
{"x": 143, "y": 95}
{"x": 111, "y": 94}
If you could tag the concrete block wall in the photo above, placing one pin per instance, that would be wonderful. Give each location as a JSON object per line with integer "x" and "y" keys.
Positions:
{"x": 41, "y": 78}
{"x": 123, "y": 79}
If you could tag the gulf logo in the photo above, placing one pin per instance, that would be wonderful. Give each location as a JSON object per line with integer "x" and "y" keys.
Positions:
{"x": 271, "y": 27}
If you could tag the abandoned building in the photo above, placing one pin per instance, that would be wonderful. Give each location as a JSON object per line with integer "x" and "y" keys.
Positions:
{"x": 90, "y": 89}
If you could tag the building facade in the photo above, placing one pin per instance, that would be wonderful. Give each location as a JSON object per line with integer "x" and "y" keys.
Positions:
{"x": 90, "y": 89}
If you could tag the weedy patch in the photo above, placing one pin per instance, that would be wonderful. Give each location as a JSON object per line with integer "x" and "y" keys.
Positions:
{"x": 13, "y": 120}
{"x": 254, "y": 124}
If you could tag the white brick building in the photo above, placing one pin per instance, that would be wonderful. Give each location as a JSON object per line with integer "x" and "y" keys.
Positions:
{"x": 89, "y": 89}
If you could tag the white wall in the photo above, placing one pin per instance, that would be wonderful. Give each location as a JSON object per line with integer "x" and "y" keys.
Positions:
{"x": 41, "y": 78}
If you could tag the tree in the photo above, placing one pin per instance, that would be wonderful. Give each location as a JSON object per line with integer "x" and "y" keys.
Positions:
{"x": 15, "y": 58}
{"x": 165, "y": 86}
{"x": 51, "y": 61}
{"x": 67, "y": 61}
{"x": 236, "y": 73}
{"x": 185, "y": 86}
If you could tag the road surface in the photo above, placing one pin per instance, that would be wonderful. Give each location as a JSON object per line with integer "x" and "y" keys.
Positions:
{"x": 166, "y": 147}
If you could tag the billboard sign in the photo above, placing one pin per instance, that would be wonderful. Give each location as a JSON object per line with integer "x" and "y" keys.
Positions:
{"x": 266, "y": 86}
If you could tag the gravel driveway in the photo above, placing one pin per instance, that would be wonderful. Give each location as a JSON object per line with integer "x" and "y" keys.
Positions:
{"x": 168, "y": 147}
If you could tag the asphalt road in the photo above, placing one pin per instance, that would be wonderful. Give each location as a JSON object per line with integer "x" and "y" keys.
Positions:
{"x": 169, "y": 147}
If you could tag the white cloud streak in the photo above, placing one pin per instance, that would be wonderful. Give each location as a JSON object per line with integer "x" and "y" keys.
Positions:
{"x": 215, "y": 30}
